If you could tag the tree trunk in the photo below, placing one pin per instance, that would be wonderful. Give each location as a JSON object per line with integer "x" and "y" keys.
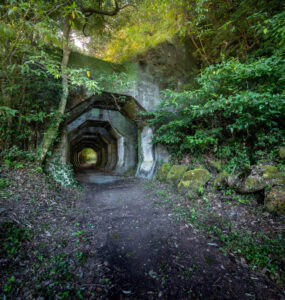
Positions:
{"x": 51, "y": 133}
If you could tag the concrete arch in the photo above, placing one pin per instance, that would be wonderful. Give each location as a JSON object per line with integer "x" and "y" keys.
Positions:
{"x": 110, "y": 123}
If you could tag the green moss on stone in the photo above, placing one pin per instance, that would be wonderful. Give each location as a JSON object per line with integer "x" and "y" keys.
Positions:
{"x": 216, "y": 164}
{"x": 253, "y": 184}
{"x": 275, "y": 200}
{"x": 176, "y": 173}
{"x": 193, "y": 181}
{"x": 220, "y": 180}
{"x": 282, "y": 152}
{"x": 163, "y": 171}
{"x": 272, "y": 174}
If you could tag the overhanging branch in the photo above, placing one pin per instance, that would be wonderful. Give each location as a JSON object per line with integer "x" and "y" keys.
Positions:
{"x": 90, "y": 11}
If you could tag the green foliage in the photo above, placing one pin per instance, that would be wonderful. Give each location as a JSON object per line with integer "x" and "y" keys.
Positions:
{"x": 215, "y": 28}
{"x": 12, "y": 238}
{"x": 61, "y": 173}
{"x": 4, "y": 182}
{"x": 152, "y": 23}
{"x": 237, "y": 105}
{"x": 260, "y": 252}
{"x": 30, "y": 67}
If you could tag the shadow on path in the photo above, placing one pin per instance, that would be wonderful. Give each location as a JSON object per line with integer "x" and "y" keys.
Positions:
{"x": 144, "y": 255}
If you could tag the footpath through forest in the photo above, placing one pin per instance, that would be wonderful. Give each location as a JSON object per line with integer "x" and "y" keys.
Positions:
{"x": 144, "y": 255}
{"x": 116, "y": 241}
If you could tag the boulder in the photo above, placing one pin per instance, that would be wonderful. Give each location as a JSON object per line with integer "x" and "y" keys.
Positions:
{"x": 275, "y": 200}
{"x": 192, "y": 182}
{"x": 260, "y": 177}
{"x": 175, "y": 174}
{"x": 282, "y": 152}
{"x": 220, "y": 180}
{"x": 233, "y": 181}
{"x": 163, "y": 171}
{"x": 252, "y": 184}
{"x": 273, "y": 176}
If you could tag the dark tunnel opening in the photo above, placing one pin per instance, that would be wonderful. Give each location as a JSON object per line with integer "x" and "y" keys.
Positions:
{"x": 107, "y": 133}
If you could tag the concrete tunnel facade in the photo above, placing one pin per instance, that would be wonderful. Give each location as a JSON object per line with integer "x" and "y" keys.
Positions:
{"x": 110, "y": 123}
{"x": 115, "y": 130}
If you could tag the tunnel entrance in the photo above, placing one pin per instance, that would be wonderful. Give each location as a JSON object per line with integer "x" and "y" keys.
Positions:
{"x": 108, "y": 125}
{"x": 112, "y": 126}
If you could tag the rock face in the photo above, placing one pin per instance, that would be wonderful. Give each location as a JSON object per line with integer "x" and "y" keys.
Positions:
{"x": 169, "y": 63}
{"x": 163, "y": 171}
{"x": 175, "y": 174}
{"x": 263, "y": 178}
{"x": 192, "y": 181}
{"x": 275, "y": 200}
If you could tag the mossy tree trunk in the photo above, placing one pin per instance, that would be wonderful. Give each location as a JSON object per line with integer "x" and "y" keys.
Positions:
{"x": 51, "y": 133}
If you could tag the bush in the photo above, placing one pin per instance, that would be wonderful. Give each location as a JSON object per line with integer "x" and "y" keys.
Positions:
{"x": 237, "y": 103}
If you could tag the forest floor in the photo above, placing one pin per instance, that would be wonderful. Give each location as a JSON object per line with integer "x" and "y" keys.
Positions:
{"x": 127, "y": 239}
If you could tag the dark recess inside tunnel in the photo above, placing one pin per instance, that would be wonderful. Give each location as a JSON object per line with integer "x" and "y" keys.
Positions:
{"x": 99, "y": 136}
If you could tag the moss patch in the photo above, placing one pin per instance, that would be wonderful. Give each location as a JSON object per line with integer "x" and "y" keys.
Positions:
{"x": 216, "y": 164}
{"x": 131, "y": 109}
{"x": 193, "y": 181}
{"x": 163, "y": 171}
{"x": 176, "y": 173}
{"x": 282, "y": 152}
{"x": 221, "y": 180}
{"x": 275, "y": 200}
{"x": 272, "y": 173}
{"x": 253, "y": 184}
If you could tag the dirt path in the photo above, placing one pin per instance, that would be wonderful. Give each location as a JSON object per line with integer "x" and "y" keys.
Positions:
{"x": 139, "y": 253}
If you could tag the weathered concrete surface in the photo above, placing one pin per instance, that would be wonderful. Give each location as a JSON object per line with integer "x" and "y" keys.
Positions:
{"x": 147, "y": 159}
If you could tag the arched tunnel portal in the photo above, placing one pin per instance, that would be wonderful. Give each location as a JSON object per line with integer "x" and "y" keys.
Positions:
{"x": 111, "y": 125}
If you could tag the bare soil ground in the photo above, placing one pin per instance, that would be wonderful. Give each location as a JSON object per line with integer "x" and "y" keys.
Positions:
{"x": 113, "y": 241}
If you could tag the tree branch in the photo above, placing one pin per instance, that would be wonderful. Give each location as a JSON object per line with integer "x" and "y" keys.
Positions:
{"x": 90, "y": 11}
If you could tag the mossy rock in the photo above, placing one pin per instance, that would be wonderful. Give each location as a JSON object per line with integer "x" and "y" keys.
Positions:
{"x": 273, "y": 175}
{"x": 260, "y": 177}
{"x": 252, "y": 184}
{"x": 193, "y": 181}
{"x": 176, "y": 173}
{"x": 221, "y": 180}
{"x": 275, "y": 200}
{"x": 163, "y": 171}
{"x": 216, "y": 165}
{"x": 282, "y": 152}
{"x": 233, "y": 181}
